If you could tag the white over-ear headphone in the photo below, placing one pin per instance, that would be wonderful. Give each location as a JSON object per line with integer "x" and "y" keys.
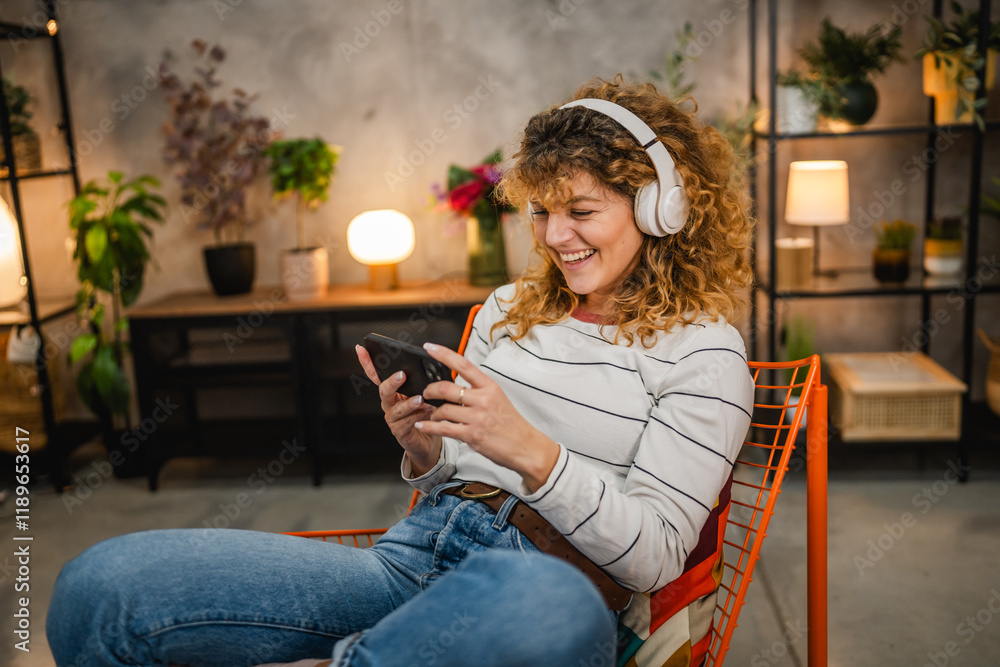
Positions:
{"x": 661, "y": 205}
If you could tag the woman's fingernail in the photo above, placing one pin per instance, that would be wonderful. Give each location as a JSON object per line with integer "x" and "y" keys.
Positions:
{"x": 419, "y": 426}
{"x": 398, "y": 376}
{"x": 431, "y": 347}
{"x": 417, "y": 400}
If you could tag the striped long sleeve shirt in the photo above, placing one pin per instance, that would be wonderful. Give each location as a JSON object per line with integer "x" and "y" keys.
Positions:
{"x": 647, "y": 436}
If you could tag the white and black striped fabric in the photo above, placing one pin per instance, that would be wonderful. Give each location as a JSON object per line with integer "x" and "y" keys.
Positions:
{"x": 648, "y": 436}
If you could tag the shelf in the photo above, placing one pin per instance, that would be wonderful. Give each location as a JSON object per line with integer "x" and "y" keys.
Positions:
{"x": 36, "y": 173}
{"x": 861, "y": 282}
{"x": 48, "y": 309}
{"x": 14, "y": 31}
{"x": 870, "y": 131}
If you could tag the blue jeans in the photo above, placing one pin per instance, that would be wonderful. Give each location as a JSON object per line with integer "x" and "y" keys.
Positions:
{"x": 452, "y": 584}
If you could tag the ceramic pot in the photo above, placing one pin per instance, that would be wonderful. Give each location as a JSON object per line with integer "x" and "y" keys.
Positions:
{"x": 942, "y": 257}
{"x": 891, "y": 265}
{"x": 305, "y": 273}
{"x": 939, "y": 83}
{"x": 231, "y": 268}
{"x": 796, "y": 114}
{"x": 859, "y": 101}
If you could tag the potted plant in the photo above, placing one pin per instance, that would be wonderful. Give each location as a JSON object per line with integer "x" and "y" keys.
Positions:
{"x": 304, "y": 167}
{"x": 951, "y": 59}
{"x": 216, "y": 145}
{"x": 798, "y": 338}
{"x": 892, "y": 251}
{"x": 799, "y": 99}
{"x": 844, "y": 63}
{"x": 943, "y": 247}
{"x": 111, "y": 226}
{"x": 27, "y": 150}
{"x": 472, "y": 193}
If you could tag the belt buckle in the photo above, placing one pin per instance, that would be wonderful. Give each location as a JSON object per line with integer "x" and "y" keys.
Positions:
{"x": 465, "y": 493}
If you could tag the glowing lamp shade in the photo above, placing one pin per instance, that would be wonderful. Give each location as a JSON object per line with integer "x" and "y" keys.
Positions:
{"x": 381, "y": 239}
{"x": 818, "y": 193}
{"x": 12, "y": 285}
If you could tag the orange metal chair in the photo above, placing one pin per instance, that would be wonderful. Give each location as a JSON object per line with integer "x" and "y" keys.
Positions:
{"x": 757, "y": 482}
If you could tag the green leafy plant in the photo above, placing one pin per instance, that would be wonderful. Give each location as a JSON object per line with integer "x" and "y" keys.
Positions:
{"x": 811, "y": 86}
{"x": 895, "y": 235}
{"x": 737, "y": 128}
{"x": 111, "y": 227}
{"x": 306, "y": 168}
{"x": 956, "y": 44}
{"x": 215, "y": 143}
{"x": 948, "y": 228}
{"x": 18, "y": 99}
{"x": 798, "y": 335}
{"x": 839, "y": 58}
{"x": 674, "y": 65}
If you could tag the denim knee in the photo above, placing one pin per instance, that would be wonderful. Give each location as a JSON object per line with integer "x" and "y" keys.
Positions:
{"x": 549, "y": 588}
{"x": 87, "y": 618}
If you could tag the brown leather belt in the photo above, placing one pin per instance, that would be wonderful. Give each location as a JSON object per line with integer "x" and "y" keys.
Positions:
{"x": 545, "y": 536}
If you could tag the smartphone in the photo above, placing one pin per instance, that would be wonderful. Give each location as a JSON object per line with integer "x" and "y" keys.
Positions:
{"x": 390, "y": 356}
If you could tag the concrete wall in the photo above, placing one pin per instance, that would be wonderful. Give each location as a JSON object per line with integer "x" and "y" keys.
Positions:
{"x": 380, "y": 83}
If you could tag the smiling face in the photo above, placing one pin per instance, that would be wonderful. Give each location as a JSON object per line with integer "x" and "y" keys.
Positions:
{"x": 592, "y": 238}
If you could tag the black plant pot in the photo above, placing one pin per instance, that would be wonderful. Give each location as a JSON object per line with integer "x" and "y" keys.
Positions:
{"x": 891, "y": 265}
{"x": 860, "y": 100}
{"x": 231, "y": 268}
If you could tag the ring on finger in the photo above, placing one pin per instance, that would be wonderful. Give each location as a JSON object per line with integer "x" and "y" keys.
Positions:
{"x": 461, "y": 397}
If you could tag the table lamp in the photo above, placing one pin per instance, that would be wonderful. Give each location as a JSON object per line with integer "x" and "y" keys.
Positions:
{"x": 13, "y": 286}
{"x": 817, "y": 196}
{"x": 381, "y": 239}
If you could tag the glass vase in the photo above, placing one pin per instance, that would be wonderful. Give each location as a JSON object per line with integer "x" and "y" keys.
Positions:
{"x": 487, "y": 259}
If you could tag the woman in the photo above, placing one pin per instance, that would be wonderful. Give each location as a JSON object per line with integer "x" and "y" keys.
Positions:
{"x": 604, "y": 390}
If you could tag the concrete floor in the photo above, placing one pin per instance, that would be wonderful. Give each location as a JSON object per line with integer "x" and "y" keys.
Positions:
{"x": 914, "y": 558}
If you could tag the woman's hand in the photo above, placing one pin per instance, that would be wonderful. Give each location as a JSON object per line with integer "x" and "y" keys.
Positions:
{"x": 483, "y": 417}
{"x": 401, "y": 413}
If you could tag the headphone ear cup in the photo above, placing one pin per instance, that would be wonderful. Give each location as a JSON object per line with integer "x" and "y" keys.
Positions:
{"x": 646, "y": 200}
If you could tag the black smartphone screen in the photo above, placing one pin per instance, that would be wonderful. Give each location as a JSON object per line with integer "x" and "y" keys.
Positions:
{"x": 390, "y": 356}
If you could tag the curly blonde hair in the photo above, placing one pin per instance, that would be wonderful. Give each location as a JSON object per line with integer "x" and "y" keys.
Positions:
{"x": 702, "y": 271}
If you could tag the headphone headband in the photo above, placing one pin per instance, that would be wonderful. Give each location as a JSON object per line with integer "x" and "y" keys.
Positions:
{"x": 661, "y": 207}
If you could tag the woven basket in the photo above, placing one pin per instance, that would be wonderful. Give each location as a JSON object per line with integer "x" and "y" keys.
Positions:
{"x": 20, "y": 403}
{"x": 893, "y": 396}
{"x": 27, "y": 153}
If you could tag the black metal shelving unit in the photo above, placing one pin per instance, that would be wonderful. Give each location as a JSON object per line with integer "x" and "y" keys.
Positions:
{"x": 854, "y": 283}
{"x": 59, "y": 439}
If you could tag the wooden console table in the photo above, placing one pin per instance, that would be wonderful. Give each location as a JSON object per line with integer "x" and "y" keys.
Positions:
{"x": 220, "y": 375}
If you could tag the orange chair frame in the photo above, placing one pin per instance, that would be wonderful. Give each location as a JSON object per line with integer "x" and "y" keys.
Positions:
{"x": 777, "y": 420}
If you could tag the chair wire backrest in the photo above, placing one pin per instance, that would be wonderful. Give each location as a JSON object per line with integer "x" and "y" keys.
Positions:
{"x": 779, "y": 409}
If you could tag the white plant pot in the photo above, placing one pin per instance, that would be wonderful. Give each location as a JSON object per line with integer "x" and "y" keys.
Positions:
{"x": 796, "y": 114}
{"x": 942, "y": 265}
{"x": 305, "y": 274}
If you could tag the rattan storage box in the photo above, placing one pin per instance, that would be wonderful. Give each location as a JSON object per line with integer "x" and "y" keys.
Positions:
{"x": 893, "y": 396}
